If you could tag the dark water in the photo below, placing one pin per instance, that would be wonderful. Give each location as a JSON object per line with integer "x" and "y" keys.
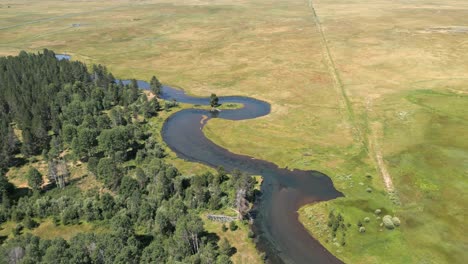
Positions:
{"x": 278, "y": 230}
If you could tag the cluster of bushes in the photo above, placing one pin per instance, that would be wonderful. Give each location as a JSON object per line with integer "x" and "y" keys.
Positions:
{"x": 360, "y": 224}
{"x": 337, "y": 224}
{"x": 390, "y": 222}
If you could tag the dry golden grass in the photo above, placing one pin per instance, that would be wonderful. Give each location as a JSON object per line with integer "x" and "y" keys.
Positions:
{"x": 17, "y": 175}
{"x": 383, "y": 51}
{"x": 78, "y": 173}
{"x": 47, "y": 230}
{"x": 245, "y": 247}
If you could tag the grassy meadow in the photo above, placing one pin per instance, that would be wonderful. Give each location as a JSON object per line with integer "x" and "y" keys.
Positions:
{"x": 47, "y": 230}
{"x": 382, "y": 91}
{"x": 245, "y": 252}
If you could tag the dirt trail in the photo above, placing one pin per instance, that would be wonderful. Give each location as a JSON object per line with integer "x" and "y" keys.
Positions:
{"x": 345, "y": 103}
{"x": 376, "y": 129}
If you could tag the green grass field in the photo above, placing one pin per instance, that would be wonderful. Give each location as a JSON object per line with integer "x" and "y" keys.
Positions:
{"x": 245, "y": 247}
{"x": 47, "y": 230}
{"x": 382, "y": 91}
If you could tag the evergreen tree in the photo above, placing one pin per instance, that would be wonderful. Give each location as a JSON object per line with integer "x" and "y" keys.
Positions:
{"x": 34, "y": 179}
{"x": 155, "y": 86}
{"x": 214, "y": 100}
{"x": 225, "y": 247}
{"x": 61, "y": 108}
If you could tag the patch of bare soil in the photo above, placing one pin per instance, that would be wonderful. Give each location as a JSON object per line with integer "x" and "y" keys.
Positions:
{"x": 375, "y": 148}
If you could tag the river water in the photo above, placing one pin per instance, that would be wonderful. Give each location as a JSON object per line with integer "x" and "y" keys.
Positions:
{"x": 278, "y": 231}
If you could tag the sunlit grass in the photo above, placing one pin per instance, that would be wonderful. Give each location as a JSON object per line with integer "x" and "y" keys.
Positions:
{"x": 400, "y": 78}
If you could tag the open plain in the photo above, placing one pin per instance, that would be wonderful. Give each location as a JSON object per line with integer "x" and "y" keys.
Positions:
{"x": 372, "y": 93}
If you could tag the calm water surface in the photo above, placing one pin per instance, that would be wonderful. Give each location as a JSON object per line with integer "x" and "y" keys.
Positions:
{"x": 278, "y": 230}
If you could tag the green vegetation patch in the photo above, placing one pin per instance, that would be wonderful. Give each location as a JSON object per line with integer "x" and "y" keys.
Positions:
{"x": 95, "y": 174}
{"x": 353, "y": 231}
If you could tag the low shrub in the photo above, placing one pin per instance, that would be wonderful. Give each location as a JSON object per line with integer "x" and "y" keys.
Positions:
{"x": 388, "y": 223}
{"x": 232, "y": 226}
{"x": 56, "y": 220}
{"x": 362, "y": 229}
{"x": 29, "y": 223}
{"x": 17, "y": 230}
{"x": 396, "y": 221}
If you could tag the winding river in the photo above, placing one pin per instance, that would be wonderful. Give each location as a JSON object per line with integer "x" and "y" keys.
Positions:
{"x": 279, "y": 233}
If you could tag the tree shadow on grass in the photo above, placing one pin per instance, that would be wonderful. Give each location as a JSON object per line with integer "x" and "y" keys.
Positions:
{"x": 18, "y": 162}
{"x": 20, "y": 192}
{"x": 232, "y": 251}
{"x": 211, "y": 237}
{"x": 3, "y": 239}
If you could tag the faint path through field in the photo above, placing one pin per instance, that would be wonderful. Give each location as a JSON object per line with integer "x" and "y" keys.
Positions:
{"x": 345, "y": 102}
{"x": 376, "y": 130}
{"x": 337, "y": 83}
